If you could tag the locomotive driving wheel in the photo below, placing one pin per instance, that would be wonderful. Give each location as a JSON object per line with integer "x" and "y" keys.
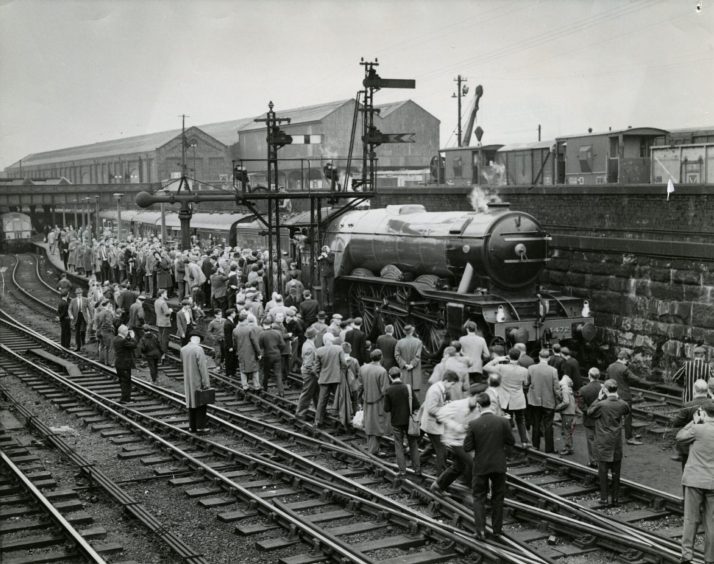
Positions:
{"x": 364, "y": 301}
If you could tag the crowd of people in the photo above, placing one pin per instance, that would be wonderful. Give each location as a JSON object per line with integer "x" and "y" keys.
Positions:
{"x": 474, "y": 400}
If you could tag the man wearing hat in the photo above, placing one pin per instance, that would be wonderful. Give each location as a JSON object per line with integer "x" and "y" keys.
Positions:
{"x": 320, "y": 327}
{"x": 620, "y": 372}
{"x": 310, "y": 387}
{"x": 397, "y": 402}
{"x": 609, "y": 413}
{"x": 698, "y": 482}
{"x": 80, "y": 316}
{"x": 695, "y": 369}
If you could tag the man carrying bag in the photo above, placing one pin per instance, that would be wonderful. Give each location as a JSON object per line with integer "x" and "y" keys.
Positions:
{"x": 401, "y": 403}
{"x": 196, "y": 384}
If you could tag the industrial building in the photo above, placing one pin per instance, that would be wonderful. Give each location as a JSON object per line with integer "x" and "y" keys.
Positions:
{"x": 320, "y": 133}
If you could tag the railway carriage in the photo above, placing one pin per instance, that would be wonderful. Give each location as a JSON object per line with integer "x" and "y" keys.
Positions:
{"x": 16, "y": 234}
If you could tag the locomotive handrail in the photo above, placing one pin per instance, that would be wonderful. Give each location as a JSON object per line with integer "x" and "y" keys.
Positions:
{"x": 552, "y": 297}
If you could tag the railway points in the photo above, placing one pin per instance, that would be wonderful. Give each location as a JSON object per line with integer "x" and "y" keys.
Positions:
{"x": 244, "y": 405}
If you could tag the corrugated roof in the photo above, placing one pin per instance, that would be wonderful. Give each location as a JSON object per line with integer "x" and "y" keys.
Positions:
{"x": 127, "y": 145}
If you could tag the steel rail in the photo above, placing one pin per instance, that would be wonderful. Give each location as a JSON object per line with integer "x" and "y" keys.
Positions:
{"x": 585, "y": 514}
{"x": 130, "y": 505}
{"x": 39, "y": 277}
{"x": 523, "y": 486}
{"x": 644, "y": 493}
{"x": 289, "y": 522}
{"x": 342, "y": 450}
{"x": 73, "y": 535}
{"x": 398, "y": 511}
{"x": 25, "y": 292}
{"x": 332, "y": 477}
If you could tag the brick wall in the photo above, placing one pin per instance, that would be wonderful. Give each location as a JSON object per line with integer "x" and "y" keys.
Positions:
{"x": 647, "y": 264}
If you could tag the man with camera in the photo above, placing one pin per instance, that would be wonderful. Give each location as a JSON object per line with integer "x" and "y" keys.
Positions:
{"x": 326, "y": 260}
{"x": 124, "y": 344}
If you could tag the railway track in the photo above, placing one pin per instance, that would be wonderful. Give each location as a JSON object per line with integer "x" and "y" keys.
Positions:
{"x": 30, "y": 503}
{"x": 56, "y": 506}
{"x": 284, "y": 491}
{"x": 565, "y": 486}
{"x": 597, "y": 532}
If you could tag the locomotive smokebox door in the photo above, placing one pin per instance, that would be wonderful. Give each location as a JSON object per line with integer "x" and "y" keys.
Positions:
{"x": 454, "y": 318}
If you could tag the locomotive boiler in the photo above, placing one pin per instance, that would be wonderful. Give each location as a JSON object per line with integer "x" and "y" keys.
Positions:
{"x": 436, "y": 270}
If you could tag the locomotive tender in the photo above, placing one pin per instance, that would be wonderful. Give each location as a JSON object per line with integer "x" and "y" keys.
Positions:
{"x": 436, "y": 270}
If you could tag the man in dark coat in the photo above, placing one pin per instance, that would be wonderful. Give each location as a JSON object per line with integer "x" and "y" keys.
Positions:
{"x": 309, "y": 308}
{"x": 358, "y": 341}
{"x": 326, "y": 260}
{"x": 272, "y": 344}
{"x": 571, "y": 368}
{"x": 387, "y": 343}
{"x": 557, "y": 360}
{"x": 490, "y": 437}
{"x": 589, "y": 393}
{"x": 246, "y": 343}
{"x": 81, "y": 318}
{"x": 620, "y": 372}
{"x": 124, "y": 345}
{"x": 150, "y": 349}
{"x": 65, "y": 321}
{"x": 230, "y": 351}
{"x": 396, "y": 403}
{"x": 609, "y": 412}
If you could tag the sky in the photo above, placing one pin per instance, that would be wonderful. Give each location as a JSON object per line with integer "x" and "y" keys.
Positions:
{"x": 78, "y": 72}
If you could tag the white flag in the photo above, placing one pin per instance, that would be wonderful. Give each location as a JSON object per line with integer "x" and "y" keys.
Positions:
{"x": 670, "y": 188}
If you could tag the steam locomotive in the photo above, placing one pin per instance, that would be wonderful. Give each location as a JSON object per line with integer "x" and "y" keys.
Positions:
{"x": 435, "y": 270}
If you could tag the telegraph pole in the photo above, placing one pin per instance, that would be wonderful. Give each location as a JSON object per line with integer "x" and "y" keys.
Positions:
{"x": 458, "y": 95}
